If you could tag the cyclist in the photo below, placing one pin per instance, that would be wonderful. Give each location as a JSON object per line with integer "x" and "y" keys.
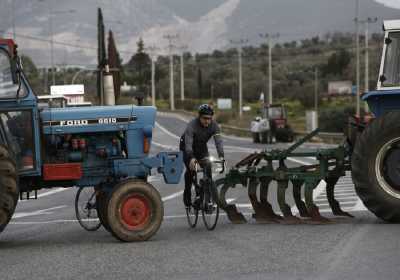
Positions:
{"x": 193, "y": 143}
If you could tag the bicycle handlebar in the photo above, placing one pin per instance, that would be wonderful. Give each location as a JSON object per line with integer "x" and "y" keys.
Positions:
{"x": 219, "y": 161}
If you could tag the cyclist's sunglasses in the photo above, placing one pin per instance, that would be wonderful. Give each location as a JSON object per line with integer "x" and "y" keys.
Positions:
{"x": 206, "y": 117}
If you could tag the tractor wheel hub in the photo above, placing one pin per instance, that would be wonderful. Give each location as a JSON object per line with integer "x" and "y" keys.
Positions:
{"x": 135, "y": 212}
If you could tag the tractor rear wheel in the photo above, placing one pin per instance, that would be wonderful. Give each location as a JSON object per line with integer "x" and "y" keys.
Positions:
{"x": 135, "y": 211}
{"x": 256, "y": 137}
{"x": 376, "y": 167}
{"x": 8, "y": 187}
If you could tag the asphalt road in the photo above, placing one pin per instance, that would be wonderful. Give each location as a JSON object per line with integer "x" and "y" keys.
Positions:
{"x": 44, "y": 241}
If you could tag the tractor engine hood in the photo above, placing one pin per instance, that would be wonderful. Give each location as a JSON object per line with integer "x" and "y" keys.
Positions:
{"x": 96, "y": 118}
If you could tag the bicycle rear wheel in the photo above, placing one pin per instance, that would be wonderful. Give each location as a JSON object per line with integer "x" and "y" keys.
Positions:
{"x": 192, "y": 213}
{"x": 209, "y": 209}
{"x": 85, "y": 209}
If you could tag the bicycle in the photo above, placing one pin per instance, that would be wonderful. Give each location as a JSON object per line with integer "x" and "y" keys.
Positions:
{"x": 86, "y": 208}
{"x": 204, "y": 196}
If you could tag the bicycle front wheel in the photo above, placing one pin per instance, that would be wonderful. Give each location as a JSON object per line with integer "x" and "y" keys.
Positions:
{"x": 85, "y": 209}
{"x": 209, "y": 209}
{"x": 192, "y": 212}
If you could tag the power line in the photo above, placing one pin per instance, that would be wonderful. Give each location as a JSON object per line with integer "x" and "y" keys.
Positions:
{"x": 65, "y": 44}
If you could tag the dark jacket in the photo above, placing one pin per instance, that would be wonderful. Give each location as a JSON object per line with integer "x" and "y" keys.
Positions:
{"x": 194, "y": 140}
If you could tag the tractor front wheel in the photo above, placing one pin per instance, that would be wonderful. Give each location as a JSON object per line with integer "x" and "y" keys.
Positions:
{"x": 101, "y": 207}
{"x": 135, "y": 211}
{"x": 8, "y": 187}
{"x": 376, "y": 167}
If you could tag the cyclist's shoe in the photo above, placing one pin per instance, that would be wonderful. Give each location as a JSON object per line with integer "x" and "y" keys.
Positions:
{"x": 209, "y": 208}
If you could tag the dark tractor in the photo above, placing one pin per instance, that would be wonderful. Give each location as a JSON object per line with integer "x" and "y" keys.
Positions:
{"x": 277, "y": 115}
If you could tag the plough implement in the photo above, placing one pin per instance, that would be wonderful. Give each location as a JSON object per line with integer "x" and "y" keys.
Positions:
{"x": 258, "y": 170}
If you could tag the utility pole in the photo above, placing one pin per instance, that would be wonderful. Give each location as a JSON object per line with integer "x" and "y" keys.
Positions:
{"x": 239, "y": 44}
{"x": 53, "y": 77}
{"x": 45, "y": 78}
{"x": 366, "y": 88}
{"x": 170, "y": 38}
{"x": 153, "y": 56}
{"x": 182, "y": 50}
{"x": 13, "y": 20}
{"x": 316, "y": 89}
{"x": 269, "y": 38}
{"x": 356, "y": 20}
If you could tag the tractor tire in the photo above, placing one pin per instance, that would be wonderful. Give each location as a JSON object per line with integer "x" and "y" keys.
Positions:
{"x": 256, "y": 137}
{"x": 8, "y": 187}
{"x": 101, "y": 207}
{"x": 375, "y": 167}
{"x": 135, "y": 211}
{"x": 284, "y": 134}
{"x": 264, "y": 137}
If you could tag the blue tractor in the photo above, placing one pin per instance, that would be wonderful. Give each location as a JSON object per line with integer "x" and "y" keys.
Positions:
{"x": 375, "y": 158}
{"x": 105, "y": 147}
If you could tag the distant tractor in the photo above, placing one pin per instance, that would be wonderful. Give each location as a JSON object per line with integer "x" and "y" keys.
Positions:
{"x": 272, "y": 124}
{"x": 102, "y": 149}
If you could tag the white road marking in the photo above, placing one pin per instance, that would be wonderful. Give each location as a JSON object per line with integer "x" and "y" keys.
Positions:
{"x": 172, "y": 196}
{"x": 341, "y": 203}
{"x": 163, "y": 146}
{"x": 166, "y": 131}
{"x": 63, "y": 221}
{"x": 359, "y": 206}
{"x": 244, "y": 205}
{"x": 38, "y": 212}
{"x": 49, "y": 210}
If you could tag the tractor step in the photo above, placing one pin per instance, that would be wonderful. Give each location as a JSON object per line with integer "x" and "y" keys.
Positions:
{"x": 28, "y": 195}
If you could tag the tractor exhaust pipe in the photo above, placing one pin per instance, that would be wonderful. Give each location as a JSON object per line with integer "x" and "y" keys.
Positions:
{"x": 108, "y": 82}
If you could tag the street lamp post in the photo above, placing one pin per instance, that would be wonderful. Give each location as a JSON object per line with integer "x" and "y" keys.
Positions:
{"x": 239, "y": 44}
{"x": 356, "y": 20}
{"x": 182, "y": 49}
{"x": 153, "y": 56}
{"x": 13, "y": 19}
{"x": 170, "y": 39}
{"x": 367, "y": 22}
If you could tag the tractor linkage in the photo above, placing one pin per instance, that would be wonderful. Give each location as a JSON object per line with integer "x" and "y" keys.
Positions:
{"x": 258, "y": 171}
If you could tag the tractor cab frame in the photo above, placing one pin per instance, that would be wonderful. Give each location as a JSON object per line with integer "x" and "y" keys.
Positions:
{"x": 386, "y": 97}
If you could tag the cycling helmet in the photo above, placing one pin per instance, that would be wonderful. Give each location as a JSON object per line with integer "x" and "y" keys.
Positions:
{"x": 206, "y": 109}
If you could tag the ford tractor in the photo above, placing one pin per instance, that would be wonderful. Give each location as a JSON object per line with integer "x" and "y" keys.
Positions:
{"x": 101, "y": 148}
{"x": 371, "y": 152}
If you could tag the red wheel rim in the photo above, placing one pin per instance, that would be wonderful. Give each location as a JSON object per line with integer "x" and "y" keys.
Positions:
{"x": 135, "y": 212}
